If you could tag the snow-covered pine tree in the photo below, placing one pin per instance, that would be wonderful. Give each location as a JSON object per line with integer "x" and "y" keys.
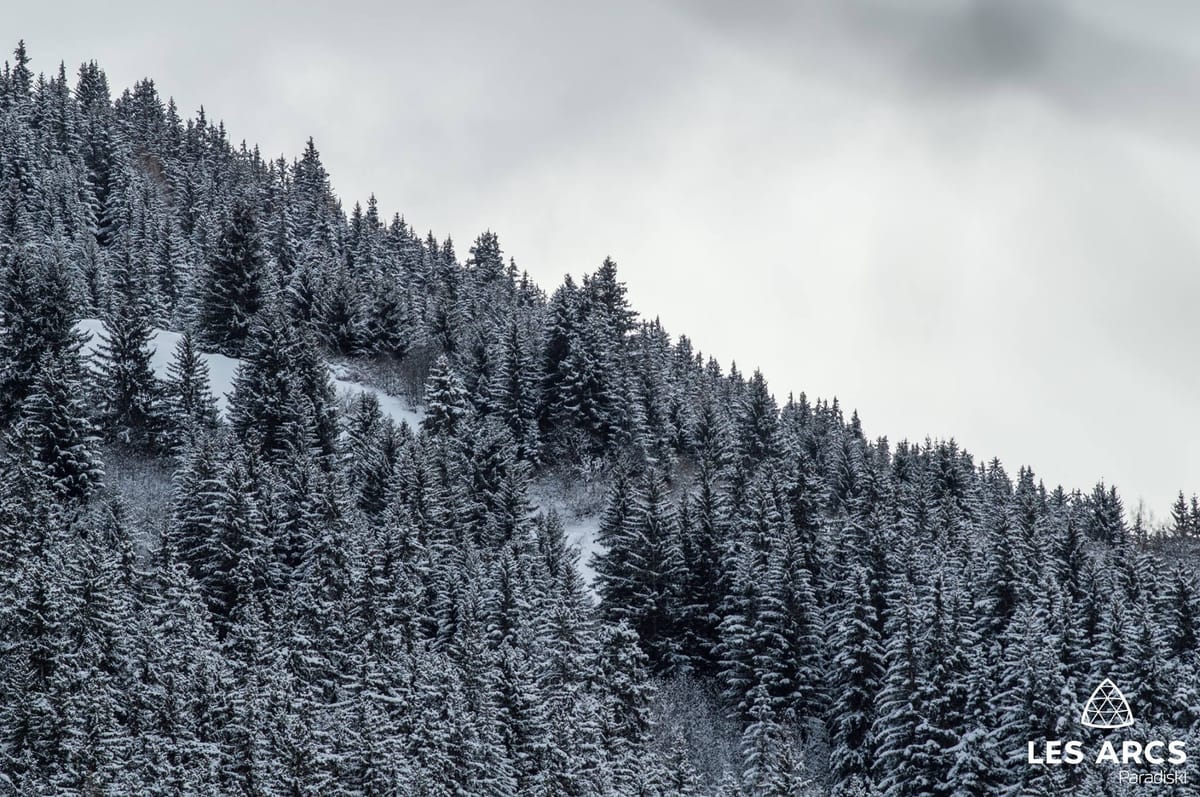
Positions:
{"x": 234, "y": 287}
{"x": 638, "y": 575}
{"x": 129, "y": 396}
{"x": 514, "y": 389}
{"x": 55, "y": 424}
{"x": 446, "y": 401}
{"x": 858, "y": 669}
{"x": 191, "y": 409}
{"x": 231, "y": 564}
{"x": 1181, "y": 521}
{"x": 899, "y": 761}
{"x": 36, "y": 317}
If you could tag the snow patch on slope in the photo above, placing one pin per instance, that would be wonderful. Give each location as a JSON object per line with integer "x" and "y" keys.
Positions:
{"x": 580, "y": 518}
{"x": 222, "y": 370}
{"x": 581, "y": 533}
{"x": 393, "y": 407}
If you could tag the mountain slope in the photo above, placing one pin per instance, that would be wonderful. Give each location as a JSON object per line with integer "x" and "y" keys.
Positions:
{"x": 331, "y": 602}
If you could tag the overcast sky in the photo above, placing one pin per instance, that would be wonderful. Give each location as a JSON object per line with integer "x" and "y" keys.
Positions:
{"x": 962, "y": 218}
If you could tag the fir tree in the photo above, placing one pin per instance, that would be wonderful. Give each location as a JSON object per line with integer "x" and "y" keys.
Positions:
{"x": 131, "y": 401}
{"x": 638, "y": 575}
{"x": 36, "y": 320}
{"x": 235, "y": 284}
{"x": 55, "y": 424}
{"x": 859, "y": 663}
{"x": 445, "y": 399}
{"x": 1181, "y": 611}
{"x": 190, "y": 406}
{"x": 1181, "y": 522}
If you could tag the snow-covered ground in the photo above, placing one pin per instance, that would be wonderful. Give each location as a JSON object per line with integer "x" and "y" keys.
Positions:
{"x": 581, "y": 533}
{"x": 222, "y": 370}
{"x": 396, "y": 408}
{"x": 580, "y": 516}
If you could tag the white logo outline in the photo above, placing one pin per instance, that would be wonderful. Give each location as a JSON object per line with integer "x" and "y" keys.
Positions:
{"x": 1107, "y": 709}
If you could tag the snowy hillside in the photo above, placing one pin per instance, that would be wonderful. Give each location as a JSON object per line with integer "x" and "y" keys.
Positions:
{"x": 580, "y": 530}
{"x": 222, "y": 371}
{"x": 306, "y": 601}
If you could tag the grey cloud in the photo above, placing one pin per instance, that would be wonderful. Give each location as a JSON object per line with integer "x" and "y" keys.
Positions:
{"x": 1080, "y": 57}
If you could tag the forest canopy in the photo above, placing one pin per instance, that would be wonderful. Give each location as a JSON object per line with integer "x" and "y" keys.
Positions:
{"x": 300, "y": 594}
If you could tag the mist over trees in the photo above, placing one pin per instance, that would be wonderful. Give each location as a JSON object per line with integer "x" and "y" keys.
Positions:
{"x": 300, "y": 595}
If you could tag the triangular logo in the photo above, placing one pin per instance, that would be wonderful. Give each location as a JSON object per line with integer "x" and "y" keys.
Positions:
{"x": 1107, "y": 708}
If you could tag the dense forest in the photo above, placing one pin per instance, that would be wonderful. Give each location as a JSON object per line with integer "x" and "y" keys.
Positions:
{"x": 300, "y": 595}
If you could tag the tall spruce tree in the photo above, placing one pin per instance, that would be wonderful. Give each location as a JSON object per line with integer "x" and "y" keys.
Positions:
{"x": 54, "y": 422}
{"x": 130, "y": 397}
{"x": 191, "y": 409}
{"x": 638, "y": 576}
{"x": 446, "y": 401}
{"x": 235, "y": 283}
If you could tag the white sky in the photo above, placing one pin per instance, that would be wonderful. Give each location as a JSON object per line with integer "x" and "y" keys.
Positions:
{"x": 962, "y": 218}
